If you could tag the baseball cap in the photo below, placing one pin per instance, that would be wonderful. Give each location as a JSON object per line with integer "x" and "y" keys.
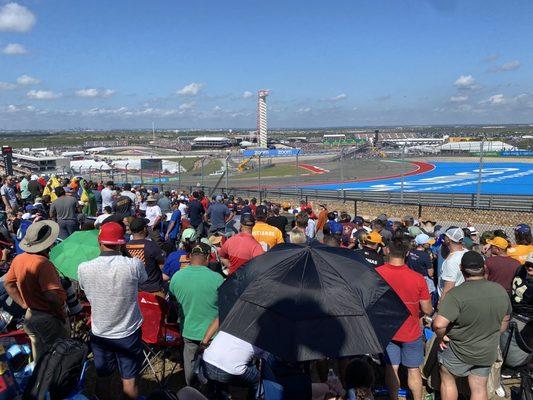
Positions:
{"x": 138, "y": 224}
{"x": 188, "y": 234}
{"x": 201, "y": 248}
{"x": 414, "y": 231}
{"x": 499, "y": 242}
{"x": 472, "y": 260}
{"x": 358, "y": 220}
{"x": 523, "y": 228}
{"x": 111, "y": 233}
{"x": 455, "y": 234}
{"x": 473, "y": 231}
{"x": 529, "y": 258}
{"x": 28, "y": 215}
{"x": 155, "y": 189}
{"x": 247, "y": 220}
{"x": 260, "y": 212}
{"x": 423, "y": 239}
{"x": 219, "y": 198}
{"x": 374, "y": 237}
{"x": 151, "y": 199}
{"x": 383, "y": 217}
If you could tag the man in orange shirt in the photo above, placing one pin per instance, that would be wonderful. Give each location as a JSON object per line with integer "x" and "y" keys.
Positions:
{"x": 322, "y": 218}
{"x": 34, "y": 284}
{"x": 267, "y": 235}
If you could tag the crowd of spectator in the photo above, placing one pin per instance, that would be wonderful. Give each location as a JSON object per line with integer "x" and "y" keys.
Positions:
{"x": 462, "y": 286}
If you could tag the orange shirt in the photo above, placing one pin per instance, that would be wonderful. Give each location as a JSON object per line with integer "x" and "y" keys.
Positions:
{"x": 520, "y": 252}
{"x": 34, "y": 275}
{"x": 267, "y": 235}
{"x": 322, "y": 219}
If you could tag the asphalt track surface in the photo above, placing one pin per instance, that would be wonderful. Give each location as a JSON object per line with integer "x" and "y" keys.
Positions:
{"x": 450, "y": 177}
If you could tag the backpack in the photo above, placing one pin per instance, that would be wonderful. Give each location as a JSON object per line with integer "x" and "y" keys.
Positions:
{"x": 57, "y": 371}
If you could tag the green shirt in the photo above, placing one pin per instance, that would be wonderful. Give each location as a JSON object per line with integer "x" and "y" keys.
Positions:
{"x": 476, "y": 310}
{"x": 196, "y": 289}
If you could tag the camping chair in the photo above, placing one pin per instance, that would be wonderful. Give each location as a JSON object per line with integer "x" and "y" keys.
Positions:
{"x": 159, "y": 336}
{"x": 517, "y": 358}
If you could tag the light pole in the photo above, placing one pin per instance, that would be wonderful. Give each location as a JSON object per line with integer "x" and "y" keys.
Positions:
{"x": 179, "y": 174}
{"x": 480, "y": 172}
{"x": 403, "y": 173}
{"x": 259, "y": 175}
{"x": 202, "y": 172}
{"x": 342, "y": 164}
{"x": 297, "y": 169}
{"x": 226, "y": 177}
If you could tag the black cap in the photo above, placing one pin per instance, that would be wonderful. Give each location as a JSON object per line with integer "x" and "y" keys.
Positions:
{"x": 247, "y": 220}
{"x": 472, "y": 260}
{"x": 261, "y": 212}
{"x": 138, "y": 224}
{"x": 201, "y": 248}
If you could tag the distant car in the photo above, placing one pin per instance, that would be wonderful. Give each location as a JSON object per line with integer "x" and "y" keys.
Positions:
{"x": 271, "y": 147}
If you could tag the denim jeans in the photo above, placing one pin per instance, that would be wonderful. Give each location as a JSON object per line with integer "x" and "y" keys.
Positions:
{"x": 250, "y": 378}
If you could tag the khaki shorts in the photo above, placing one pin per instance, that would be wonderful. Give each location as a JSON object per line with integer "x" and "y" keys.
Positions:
{"x": 456, "y": 367}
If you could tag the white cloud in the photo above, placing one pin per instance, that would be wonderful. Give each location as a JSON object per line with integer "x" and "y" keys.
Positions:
{"x": 355, "y": 108}
{"x": 496, "y": 100}
{"x": 247, "y": 94}
{"x": 14, "y": 49}
{"x": 217, "y": 108}
{"x": 465, "y": 82}
{"x": 339, "y": 97}
{"x": 16, "y": 18}
{"x": 192, "y": 89}
{"x": 304, "y": 110}
{"x": 27, "y": 80}
{"x": 187, "y": 106}
{"x": 95, "y": 92}
{"x": 7, "y": 85}
{"x": 459, "y": 98}
{"x": 499, "y": 100}
{"x": 508, "y": 66}
{"x": 42, "y": 95}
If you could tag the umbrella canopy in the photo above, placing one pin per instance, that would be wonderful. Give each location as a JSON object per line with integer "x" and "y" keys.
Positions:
{"x": 309, "y": 302}
{"x": 79, "y": 247}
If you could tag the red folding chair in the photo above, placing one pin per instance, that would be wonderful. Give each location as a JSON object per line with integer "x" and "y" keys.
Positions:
{"x": 159, "y": 336}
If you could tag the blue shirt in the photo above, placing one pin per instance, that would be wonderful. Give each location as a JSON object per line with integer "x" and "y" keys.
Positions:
{"x": 335, "y": 227}
{"x": 176, "y": 217}
{"x": 217, "y": 213}
{"x": 172, "y": 263}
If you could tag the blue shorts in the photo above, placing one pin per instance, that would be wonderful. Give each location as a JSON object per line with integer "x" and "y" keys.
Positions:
{"x": 126, "y": 352}
{"x": 409, "y": 354}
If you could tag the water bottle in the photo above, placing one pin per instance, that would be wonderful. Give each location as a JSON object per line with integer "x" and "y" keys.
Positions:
{"x": 402, "y": 394}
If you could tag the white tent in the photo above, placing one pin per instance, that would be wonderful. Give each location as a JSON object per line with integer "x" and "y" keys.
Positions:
{"x": 135, "y": 164}
{"x": 475, "y": 147}
{"x": 85, "y": 165}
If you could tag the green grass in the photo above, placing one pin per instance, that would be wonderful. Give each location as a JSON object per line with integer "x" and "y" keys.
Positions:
{"x": 276, "y": 170}
{"x": 187, "y": 163}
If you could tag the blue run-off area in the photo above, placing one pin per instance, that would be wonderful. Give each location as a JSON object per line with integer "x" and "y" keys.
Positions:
{"x": 452, "y": 177}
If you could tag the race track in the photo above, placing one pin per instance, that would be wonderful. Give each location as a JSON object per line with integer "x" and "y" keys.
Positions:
{"x": 451, "y": 177}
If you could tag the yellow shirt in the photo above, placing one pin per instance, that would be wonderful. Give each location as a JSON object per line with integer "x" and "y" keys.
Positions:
{"x": 267, "y": 235}
{"x": 520, "y": 252}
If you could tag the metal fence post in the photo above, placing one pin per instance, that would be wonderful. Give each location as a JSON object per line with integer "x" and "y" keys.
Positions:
{"x": 419, "y": 210}
{"x": 101, "y": 174}
{"x": 179, "y": 175}
{"x": 480, "y": 172}
{"x": 90, "y": 174}
{"x": 126, "y": 172}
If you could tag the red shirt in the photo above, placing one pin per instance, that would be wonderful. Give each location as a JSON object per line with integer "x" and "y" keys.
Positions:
{"x": 411, "y": 287}
{"x": 205, "y": 203}
{"x": 240, "y": 249}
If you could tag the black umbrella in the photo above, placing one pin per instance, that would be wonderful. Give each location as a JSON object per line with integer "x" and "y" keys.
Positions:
{"x": 309, "y": 302}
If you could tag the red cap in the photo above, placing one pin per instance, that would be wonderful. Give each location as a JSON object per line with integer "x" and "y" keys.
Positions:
{"x": 111, "y": 233}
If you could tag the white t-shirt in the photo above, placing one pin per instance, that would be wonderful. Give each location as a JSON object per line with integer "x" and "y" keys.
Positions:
{"x": 111, "y": 284}
{"x": 183, "y": 209}
{"x": 100, "y": 219}
{"x": 230, "y": 354}
{"x": 152, "y": 213}
{"x": 310, "y": 229}
{"x": 451, "y": 270}
{"x": 107, "y": 197}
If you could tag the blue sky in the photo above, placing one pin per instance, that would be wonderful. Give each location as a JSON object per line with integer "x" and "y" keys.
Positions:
{"x": 124, "y": 64}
